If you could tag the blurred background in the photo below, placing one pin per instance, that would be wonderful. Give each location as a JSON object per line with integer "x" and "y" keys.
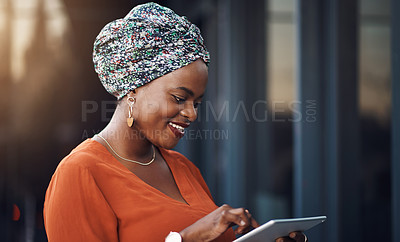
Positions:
{"x": 301, "y": 115}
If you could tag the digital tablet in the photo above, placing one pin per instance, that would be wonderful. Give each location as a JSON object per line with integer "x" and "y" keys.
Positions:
{"x": 276, "y": 228}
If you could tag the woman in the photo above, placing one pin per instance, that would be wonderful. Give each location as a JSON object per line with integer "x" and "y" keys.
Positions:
{"x": 125, "y": 184}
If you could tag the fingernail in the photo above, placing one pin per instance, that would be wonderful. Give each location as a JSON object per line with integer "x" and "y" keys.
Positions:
{"x": 242, "y": 223}
{"x": 247, "y": 211}
{"x": 292, "y": 235}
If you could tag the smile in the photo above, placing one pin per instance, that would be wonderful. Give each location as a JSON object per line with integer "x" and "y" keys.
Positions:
{"x": 178, "y": 130}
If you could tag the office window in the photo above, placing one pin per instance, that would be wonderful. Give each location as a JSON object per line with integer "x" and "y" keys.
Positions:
{"x": 276, "y": 200}
{"x": 375, "y": 115}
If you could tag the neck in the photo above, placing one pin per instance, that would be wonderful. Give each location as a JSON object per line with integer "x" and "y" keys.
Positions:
{"x": 126, "y": 141}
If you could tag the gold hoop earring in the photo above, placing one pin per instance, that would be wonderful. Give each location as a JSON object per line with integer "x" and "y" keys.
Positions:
{"x": 130, "y": 119}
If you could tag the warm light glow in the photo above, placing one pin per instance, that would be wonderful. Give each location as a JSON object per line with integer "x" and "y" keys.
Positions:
{"x": 16, "y": 215}
{"x": 57, "y": 22}
{"x": 2, "y": 15}
{"x": 281, "y": 53}
{"x": 374, "y": 93}
{"x": 23, "y": 26}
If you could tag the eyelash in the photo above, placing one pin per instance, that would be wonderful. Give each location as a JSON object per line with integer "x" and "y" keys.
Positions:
{"x": 180, "y": 100}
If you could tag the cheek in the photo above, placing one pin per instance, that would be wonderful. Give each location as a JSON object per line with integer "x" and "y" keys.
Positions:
{"x": 146, "y": 112}
{"x": 156, "y": 111}
{"x": 171, "y": 109}
{"x": 153, "y": 108}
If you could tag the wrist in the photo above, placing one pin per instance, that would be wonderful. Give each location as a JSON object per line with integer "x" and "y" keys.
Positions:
{"x": 184, "y": 236}
{"x": 187, "y": 236}
{"x": 174, "y": 237}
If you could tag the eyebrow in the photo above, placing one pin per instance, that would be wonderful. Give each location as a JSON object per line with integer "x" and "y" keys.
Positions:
{"x": 188, "y": 91}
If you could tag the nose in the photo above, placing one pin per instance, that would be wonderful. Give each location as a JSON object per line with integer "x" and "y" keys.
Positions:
{"x": 189, "y": 112}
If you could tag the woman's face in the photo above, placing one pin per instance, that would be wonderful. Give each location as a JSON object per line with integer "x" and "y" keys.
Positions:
{"x": 167, "y": 105}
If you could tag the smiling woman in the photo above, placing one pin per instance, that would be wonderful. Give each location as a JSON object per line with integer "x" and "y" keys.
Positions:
{"x": 125, "y": 184}
{"x": 173, "y": 108}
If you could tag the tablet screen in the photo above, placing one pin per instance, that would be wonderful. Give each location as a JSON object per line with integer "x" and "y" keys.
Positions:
{"x": 276, "y": 228}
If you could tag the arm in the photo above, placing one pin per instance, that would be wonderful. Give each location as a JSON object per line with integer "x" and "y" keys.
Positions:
{"x": 214, "y": 224}
{"x": 75, "y": 209}
{"x": 217, "y": 222}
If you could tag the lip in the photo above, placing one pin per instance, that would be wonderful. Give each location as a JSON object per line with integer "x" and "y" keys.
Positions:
{"x": 184, "y": 125}
{"x": 178, "y": 133}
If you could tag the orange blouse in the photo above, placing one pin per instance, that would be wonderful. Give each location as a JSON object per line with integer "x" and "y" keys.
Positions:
{"x": 93, "y": 197}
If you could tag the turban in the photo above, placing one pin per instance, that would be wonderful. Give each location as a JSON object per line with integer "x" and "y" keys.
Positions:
{"x": 149, "y": 42}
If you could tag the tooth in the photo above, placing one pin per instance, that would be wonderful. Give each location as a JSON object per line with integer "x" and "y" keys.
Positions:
{"x": 180, "y": 128}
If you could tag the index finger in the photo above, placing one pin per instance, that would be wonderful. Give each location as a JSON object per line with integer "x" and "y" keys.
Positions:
{"x": 241, "y": 212}
{"x": 232, "y": 217}
{"x": 253, "y": 222}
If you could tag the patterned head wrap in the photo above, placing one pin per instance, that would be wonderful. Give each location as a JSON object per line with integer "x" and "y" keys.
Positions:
{"x": 148, "y": 43}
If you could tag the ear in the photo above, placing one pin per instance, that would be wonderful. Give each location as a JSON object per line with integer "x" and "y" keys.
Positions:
{"x": 131, "y": 93}
{"x": 138, "y": 90}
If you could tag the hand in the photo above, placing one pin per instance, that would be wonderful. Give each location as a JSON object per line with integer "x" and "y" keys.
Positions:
{"x": 293, "y": 237}
{"x": 217, "y": 222}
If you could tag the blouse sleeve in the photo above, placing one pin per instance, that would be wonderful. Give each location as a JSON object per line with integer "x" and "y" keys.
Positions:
{"x": 75, "y": 208}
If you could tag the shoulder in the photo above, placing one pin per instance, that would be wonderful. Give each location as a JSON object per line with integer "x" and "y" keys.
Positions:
{"x": 78, "y": 169}
{"x": 85, "y": 156}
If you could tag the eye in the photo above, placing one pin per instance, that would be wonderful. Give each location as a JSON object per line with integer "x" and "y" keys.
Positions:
{"x": 196, "y": 105}
{"x": 179, "y": 99}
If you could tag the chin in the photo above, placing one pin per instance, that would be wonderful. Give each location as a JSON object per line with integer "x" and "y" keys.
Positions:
{"x": 166, "y": 140}
{"x": 167, "y": 144}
